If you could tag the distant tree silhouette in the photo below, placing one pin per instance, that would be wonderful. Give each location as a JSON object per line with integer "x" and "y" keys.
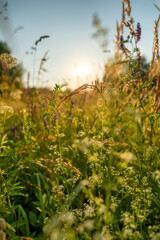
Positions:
{"x": 4, "y": 48}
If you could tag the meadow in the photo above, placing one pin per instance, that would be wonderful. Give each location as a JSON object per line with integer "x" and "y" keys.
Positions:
{"x": 83, "y": 164}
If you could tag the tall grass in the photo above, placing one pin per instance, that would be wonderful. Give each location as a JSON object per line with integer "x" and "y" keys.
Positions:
{"x": 84, "y": 163}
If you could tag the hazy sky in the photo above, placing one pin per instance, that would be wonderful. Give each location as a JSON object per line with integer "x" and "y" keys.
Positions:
{"x": 69, "y": 25}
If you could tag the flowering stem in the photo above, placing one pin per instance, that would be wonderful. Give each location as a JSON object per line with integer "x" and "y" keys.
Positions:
{"x": 2, "y": 74}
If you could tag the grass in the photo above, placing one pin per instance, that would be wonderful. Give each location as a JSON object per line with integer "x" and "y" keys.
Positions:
{"x": 84, "y": 163}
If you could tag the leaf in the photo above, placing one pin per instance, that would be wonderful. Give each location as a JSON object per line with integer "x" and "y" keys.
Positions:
{"x": 40, "y": 196}
{"x": 37, "y": 204}
{"x": 4, "y": 140}
{"x": 10, "y": 227}
{"x": 22, "y": 211}
{"x": 18, "y": 223}
{"x": 32, "y": 218}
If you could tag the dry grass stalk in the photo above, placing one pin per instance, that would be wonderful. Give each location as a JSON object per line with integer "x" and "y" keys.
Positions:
{"x": 117, "y": 36}
{"x": 155, "y": 52}
{"x": 128, "y": 7}
{"x": 130, "y": 27}
{"x": 156, "y": 55}
{"x": 126, "y": 51}
{"x": 42, "y": 62}
{"x": 130, "y": 23}
{"x": 77, "y": 91}
{"x": 115, "y": 143}
{"x": 63, "y": 163}
{"x": 123, "y": 19}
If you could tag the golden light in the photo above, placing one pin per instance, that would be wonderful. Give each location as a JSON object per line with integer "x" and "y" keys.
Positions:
{"x": 83, "y": 70}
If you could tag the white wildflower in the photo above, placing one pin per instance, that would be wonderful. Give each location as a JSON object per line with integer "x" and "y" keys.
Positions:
{"x": 128, "y": 156}
{"x": 16, "y": 95}
{"x": 4, "y": 109}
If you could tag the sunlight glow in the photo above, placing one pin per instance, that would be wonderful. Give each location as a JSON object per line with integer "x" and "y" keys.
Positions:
{"x": 83, "y": 70}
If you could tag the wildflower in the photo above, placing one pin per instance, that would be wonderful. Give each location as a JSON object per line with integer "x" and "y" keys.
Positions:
{"x": 4, "y": 109}
{"x": 54, "y": 119}
{"x": 4, "y": 86}
{"x": 138, "y": 32}
{"x": 139, "y": 58}
{"x": 14, "y": 130}
{"x": 35, "y": 109}
{"x": 128, "y": 156}
{"x": 2, "y": 150}
{"x": 4, "y": 65}
{"x": 44, "y": 105}
{"x": 156, "y": 176}
{"x": 6, "y": 68}
{"x": 121, "y": 42}
{"x": 16, "y": 95}
{"x": 22, "y": 127}
{"x": 7, "y": 61}
{"x": 45, "y": 123}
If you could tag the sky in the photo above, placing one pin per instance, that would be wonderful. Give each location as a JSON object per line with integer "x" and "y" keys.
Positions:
{"x": 74, "y": 56}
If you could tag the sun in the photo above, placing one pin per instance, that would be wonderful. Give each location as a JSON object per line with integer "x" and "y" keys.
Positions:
{"x": 83, "y": 70}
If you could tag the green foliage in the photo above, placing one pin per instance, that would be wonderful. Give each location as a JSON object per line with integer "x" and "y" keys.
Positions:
{"x": 82, "y": 164}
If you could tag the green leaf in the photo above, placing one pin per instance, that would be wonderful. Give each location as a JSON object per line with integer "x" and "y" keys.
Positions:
{"x": 32, "y": 218}
{"x": 10, "y": 227}
{"x": 40, "y": 196}
{"x": 23, "y": 213}
{"x": 19, "y": 223}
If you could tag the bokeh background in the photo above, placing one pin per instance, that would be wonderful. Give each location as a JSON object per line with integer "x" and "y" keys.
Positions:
{"x": 71, "y": 46}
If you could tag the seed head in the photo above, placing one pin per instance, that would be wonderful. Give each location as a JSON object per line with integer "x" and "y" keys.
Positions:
{"x": 2, "y": 224}
{"x": 2, "y": 235}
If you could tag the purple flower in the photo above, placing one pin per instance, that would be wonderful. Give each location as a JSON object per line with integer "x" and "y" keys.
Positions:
{"x": 139, "y": 58}
{"x": 138, "y": 32}
{"x": 2, "y": 150}
{"x": 35, "y": 109}
{"x": 14, "y": 130}
{"x": 45, "y": 123}
{"x": 121, "y": 42}
{"x": 44, "y": 105}
{"x": 5, "y": 67}
{"x": 22, "y": 127}
{"x": 55, "y": 119}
